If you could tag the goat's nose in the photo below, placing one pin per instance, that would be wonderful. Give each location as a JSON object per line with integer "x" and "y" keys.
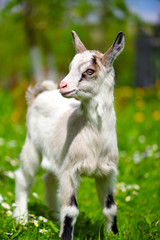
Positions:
{"x": 63, "y": 84}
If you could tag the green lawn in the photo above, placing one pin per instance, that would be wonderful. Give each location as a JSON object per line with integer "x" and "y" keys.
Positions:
{"x": 138, "y": 185}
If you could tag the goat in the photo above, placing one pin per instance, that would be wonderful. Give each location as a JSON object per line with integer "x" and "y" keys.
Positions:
{"x": 70, "y": 138}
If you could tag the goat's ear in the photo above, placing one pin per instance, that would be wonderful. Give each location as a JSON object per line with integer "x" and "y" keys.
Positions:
{"x": 114, "y": 50}
{"x": 79, "y": 46}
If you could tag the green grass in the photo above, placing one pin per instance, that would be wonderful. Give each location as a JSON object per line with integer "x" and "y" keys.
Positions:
{"x": 138, "y": 185}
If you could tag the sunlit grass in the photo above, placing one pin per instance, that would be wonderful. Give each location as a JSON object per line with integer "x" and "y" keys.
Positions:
{"x": 137, "y": 189}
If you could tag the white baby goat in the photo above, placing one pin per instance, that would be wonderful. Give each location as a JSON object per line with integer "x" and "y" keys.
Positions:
{"x": 71, "y": 138}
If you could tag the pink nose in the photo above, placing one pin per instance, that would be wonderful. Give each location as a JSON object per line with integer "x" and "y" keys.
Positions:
{"x": 63, "y": 84}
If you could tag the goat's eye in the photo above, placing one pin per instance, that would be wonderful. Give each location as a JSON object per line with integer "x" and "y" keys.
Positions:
{"x": 90, "y": 71}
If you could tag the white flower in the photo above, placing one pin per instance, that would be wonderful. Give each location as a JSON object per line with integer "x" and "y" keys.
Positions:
{"x": 11, "y": 161}
{"x": 12, "y": 143}
{"x": 123, "y": 154}
{"x": 149, "y": 151}
{"x": 42, "y": 219}
{"x": 157, "y": 155}
{"x": 146, "y": 175}
{"x": 135, "y": 192}
{"x": 14, "y": 162}
{"x": 128, "y": 198}
{"x": 135, "y": 186}
{"x": 1, "y": 198}
{"x": 141, "y": 139}
{"x": 13, "y": 205}
{"x": 9, "y": 213}
{"x": 5, "y": 205}
{"x": 129, "y": 187}
{"x": 9, "y": 234}
{"x": 9, "y": 174}
{"x": 35, "y": 222}
{"x": 35, "y": 195}
{"x": 1, "y": 141}
{"x": 121, "y": 186}
{"x": 31, "y": 215}
{"x": 154, "y": 147}
{"x": 136, "y": 157}
{"x": 43, "y": 230}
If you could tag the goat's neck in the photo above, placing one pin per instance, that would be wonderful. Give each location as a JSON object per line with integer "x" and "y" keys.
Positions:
{"x": 98, "y": 109}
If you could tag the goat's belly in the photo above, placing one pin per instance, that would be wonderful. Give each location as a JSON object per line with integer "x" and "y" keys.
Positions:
{"x": 96, "y": 169}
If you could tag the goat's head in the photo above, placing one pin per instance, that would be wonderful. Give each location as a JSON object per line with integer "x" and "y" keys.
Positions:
{"x": 89, "y": 69}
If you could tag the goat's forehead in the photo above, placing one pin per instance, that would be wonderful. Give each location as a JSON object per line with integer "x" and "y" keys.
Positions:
{"x": 83, "y": 58}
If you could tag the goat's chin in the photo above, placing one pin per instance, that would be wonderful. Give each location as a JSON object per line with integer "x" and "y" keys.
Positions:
{"x": 69, "y": 94}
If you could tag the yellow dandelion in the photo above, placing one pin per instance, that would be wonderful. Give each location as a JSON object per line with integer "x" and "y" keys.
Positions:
{"x": 127, "y": 91}
{"x": 139, "y": 117}
{"x": 140, "y": 92}
{"x": 158, "y": 94}
{"x": 156, "y": 115}
{"x": 140, "y": 104}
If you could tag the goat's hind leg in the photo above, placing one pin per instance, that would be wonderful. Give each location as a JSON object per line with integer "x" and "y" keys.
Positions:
{"x": 51, "y": 187}
{"x": 104, "y": 187}
{"x": 29, "y": 164}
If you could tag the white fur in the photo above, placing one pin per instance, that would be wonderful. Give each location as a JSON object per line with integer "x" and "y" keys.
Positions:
{"x": 70, "y": 138}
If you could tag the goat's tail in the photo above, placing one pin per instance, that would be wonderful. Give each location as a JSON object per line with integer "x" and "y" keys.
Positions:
{"x": 33, "y": 91}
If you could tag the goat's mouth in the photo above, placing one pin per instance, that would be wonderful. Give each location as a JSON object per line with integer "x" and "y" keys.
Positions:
{"x": 67, "y": 94}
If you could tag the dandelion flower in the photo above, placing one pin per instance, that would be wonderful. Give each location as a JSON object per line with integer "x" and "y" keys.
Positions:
{"x": 5, "y": 205}
{"x": 156, "y": 115}
{"x": 139, "y": 117}
{"x": 140, "y": 104}
{"x": 42, "y": 219}
{"x": 9, "y": 213}
{"x": 128, "y": 198}
{"x": 42, "y": 230}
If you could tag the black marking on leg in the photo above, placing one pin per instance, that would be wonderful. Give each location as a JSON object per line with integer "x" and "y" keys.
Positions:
{"x": 110, "y": 200}
{"x": 114, "y": 226}
{"x": 73, "y": 201}
{"x": 68, "y": 228}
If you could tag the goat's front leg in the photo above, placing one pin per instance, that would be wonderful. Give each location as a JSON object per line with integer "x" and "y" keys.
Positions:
{"x": 104, "y": 187}
{"x": 69, "y": 209}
